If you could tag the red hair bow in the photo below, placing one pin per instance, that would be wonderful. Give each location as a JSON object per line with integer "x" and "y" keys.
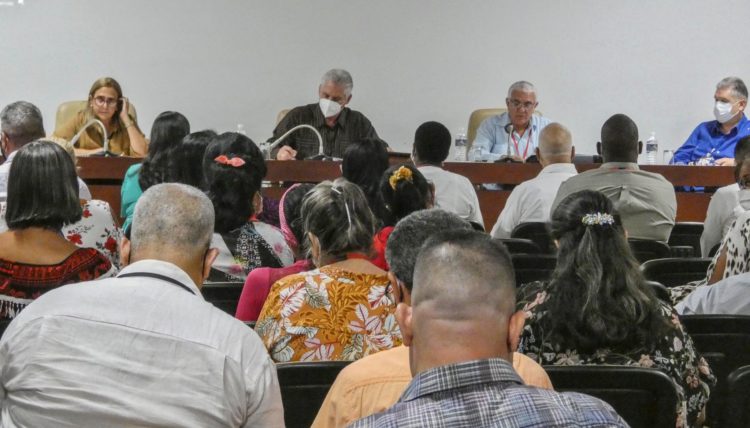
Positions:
{"x": 235, "y": 162}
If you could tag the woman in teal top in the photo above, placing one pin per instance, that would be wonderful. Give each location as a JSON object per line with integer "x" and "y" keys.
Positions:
{"x": 167, "y": 132}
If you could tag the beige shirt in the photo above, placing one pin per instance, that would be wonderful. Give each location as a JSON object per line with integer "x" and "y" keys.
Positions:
{"x": 119, "y": 140}
{"x": 375, "y": 383}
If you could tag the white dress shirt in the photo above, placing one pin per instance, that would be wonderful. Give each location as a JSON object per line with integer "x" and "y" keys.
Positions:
{"x": 730, "y": 296}
{"x": 719, "y": 216}
{"x": 454, "y": 193}
{"x": 532, "y": 199}
{"x": 83, "y": 190}
{"x": 135, "y": 351}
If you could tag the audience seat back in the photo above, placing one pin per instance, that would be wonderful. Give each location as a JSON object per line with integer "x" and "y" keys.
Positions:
{"x": 737, "y": 409}
{"x": 304, "y": 387}
{"x": 537, "y": 232}
{"x": 520, "y": 246}
{"x": 687, "y": 233}
{"x": 675, "y": 271}
{"x": 223, "y": 295}
{"x": 533, "y": 267}
{"x": 644, "y": 249}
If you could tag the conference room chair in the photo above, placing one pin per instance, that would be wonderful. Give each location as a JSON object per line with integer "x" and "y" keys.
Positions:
{"x": 645, "y": 398}
{"x": 645, "y": 249}
{"x": 282, "y": 114}
{"x": 223, "y": 295}
{"x": 67, "y": 110}
{"x": 675, "y": 271}
{"x": 477, "y": 117}
{"x": 737, "y": 410}
{"x": 304, "y": 387}
{"x": 533, "y": 267}
{"x": 520, "y": 246}
{"x": 660, "y": 290}
{"x": 536, "y": 232}
{"x": 687, "y": 234}
{"x": 3, "y": 325}
{"x": 724, "y": 341}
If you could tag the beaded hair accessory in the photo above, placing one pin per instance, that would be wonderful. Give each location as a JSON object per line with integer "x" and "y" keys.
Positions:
{"x": 348, "y": 215}
{"x": 598, "y": 219}
{"x": 403, "y": 173}
{"x": 235, "y": 162}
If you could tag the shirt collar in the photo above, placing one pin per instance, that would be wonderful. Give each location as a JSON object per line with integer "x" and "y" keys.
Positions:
{"x": 716, "y": 128}
{"x": 460, "y": 375}
{"x": 10, "y": 157}
{"x": 162, "y": 268}
{"x": 619, "y": 165}
{"x": 559, "y": 167}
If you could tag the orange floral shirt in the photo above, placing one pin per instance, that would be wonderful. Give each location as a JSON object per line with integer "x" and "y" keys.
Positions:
{"x": 328, "y": 314}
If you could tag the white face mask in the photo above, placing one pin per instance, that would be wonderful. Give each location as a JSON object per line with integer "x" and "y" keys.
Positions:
{"x": 723, "y": 111}
{"x": 329, "y": 108}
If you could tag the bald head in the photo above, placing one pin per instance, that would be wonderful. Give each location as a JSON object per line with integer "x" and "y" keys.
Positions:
{"x": 619, "y": 140}
{"x": 555, "y": 145}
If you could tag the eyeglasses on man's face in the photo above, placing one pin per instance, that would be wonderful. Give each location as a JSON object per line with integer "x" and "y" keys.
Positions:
{"x": 517, "y": 104}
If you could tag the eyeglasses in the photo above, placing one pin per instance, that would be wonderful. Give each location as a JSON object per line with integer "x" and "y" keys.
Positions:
{"x": 104, "y": 101}
{"x": 528, "y": 105}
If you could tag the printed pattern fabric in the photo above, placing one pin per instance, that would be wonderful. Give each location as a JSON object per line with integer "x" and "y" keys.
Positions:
{"x": 675, "y": 355}
{"x": 21, "y": 283}
{"x": 328, "y": 314}
{"x": 96, "y": 229}
{"x": 253, "y": 245}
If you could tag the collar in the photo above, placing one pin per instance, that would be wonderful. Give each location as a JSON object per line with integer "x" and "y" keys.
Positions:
{"x": 10, "y": 157}
{"x": 619, "y": 165}
{"x": 320, "y": 121}
{"x": 163, "y": 268}
{"x": 559, "y": 167}
{"x": 460, "y": 375}
{"x": 716, "y": 126}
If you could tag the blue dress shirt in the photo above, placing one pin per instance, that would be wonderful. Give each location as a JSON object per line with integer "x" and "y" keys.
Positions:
{"x": 493, "y": 139}
{"x": 708, "y": 136}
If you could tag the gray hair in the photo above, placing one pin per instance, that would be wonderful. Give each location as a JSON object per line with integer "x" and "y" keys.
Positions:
{"x": 735, "y": 85}
{"x": 22, "y": 122}
{"x": 339, "y": 77}
{"x": 410, "y": 233}
{"x": 174, "y": 216}
{"x": 522, "y": 86}
{"x": 555, "y": 140}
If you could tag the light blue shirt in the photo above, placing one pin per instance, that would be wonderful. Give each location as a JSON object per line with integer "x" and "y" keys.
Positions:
{"x": 493, "y": 140}
{"x": 727, "y": 297}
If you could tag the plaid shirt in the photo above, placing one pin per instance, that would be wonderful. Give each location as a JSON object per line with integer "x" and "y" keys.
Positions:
{"x": 488, "y": 393}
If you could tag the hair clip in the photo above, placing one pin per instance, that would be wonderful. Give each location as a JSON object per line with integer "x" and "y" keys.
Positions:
{"x": 403, "y": 173}
{"x": 600, "y": 219}
{"x": 224, "y": 160}
{"x": 348, "y": 214}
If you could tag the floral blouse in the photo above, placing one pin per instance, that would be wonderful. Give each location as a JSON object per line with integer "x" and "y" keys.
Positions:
{"x": 98, "y": 229}
{"x": 328, "y": 314}
{"x": 675, "y": 355}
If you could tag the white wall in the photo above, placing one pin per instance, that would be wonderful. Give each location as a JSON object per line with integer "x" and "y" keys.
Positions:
{"x": 224, "y": 62}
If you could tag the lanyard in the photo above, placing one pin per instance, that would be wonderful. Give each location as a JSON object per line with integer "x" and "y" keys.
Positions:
{"x": 158, "y": 276}
{"x": 528, "y": 141}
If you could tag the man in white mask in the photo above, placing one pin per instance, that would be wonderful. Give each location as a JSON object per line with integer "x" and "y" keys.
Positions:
{"x": 338, "y": 125}
{"x": 715, "y": 140}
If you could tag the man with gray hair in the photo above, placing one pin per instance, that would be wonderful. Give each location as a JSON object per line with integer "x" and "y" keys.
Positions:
{"x": 142, "y": 348}
{"x": 21, "y": 123}
{"x": 338, "y": 124}
{"x": 532, "y": 200}
{"x": 515, "y": 133}
{"x": 715, "y": 140}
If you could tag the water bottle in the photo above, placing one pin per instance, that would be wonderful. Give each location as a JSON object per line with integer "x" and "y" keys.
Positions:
{"x": 652, "y": 148}
{"x": 241, "y": 129}
{"x": 460, "y": 146}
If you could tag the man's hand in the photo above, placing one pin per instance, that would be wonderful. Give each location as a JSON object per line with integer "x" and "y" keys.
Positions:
{"x": 286, "y": 153}
{"x": 724, "y": 162}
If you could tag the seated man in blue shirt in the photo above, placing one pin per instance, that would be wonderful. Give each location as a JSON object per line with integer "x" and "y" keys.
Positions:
{"x": 718, "y": 137}
{"x": 514, "y": 133}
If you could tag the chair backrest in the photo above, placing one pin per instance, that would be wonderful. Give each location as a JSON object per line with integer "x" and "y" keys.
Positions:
{"x": 687, "y": 234}
{"x": 660, "y": 290}
{"x": 223, "y": 295}
{"x": 643, "y": 397}
{"x": 68, "y": 109}
{"x": 304, "y": 387}
{"x": 724, "y": 341}
{"x": 520, "y": 246}
{"x": 282, "y": 114}
{"x": 645, "y": 249}
{"x": 536, "y": 232}
{"x": 675, "y": 271}
{"x": 737, "y": 409}
{"x": 533, "y": 267}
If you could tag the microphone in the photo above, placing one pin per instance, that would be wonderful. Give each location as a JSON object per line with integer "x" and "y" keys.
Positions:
{"x": 319, "y": 156}
{"x": 77, "y": 137}
{"x": 508, "y": 130}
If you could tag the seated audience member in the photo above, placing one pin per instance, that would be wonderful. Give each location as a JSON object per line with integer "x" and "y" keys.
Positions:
{"x": 532, "y": 200}
{"x": 597, "y": 308}
{"x": 343, "y": 310}
{"x": 453, "y": 193}
{"x": 722, "y": 210}
{"x": 144, "y": 348}
{"x": 525, "y": 127}
{"x": 716, "y": 139}
{"x": 21, "y": 123}
{"x": 338, "y": 125}
{"x": 107, "y": 105}
{"x": 403, "y": 190}
{"x": 167, "y": 132}
{"x": 260, "y": 280}
{"x": 34, "y": 255}
{"x": 646, "y": 201}
{"x": 376, "y": 382}
{"x": 726, "y": 297}
{"x": 363, "y": 164}
{"x": 234, "y": 169}
{"x": 461, "y": 346}
{"x": 186, "y": 161}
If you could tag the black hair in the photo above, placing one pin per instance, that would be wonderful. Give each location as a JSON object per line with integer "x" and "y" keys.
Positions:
{"x": 293, "y": 213}
{"x": 42, "y": 188}
{"x": 167, "y": 132}
{"x": 619, "y": 139}
{"x": 403, "y": 195}
{"x": 232, "y": 188}
{"x": 363, "y": 164}
{"x": 186, "y": 162}
{"x": 432, "y": 143}
{"x": 598, "y": 297}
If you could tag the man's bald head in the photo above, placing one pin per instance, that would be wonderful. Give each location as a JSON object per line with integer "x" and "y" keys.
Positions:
{"x": 555, "y": 145}
{"x": 619, "y": 140}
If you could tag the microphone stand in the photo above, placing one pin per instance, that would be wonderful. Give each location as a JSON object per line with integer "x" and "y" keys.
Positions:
{"x": 105, "y": 152}
{"x": 319, "y": 156}
{"x": 507, "y": 158}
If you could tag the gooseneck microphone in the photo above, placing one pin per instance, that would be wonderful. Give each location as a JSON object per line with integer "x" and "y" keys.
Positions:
{"x": 105, "y": 145}
{"x": 319, "y": 156}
